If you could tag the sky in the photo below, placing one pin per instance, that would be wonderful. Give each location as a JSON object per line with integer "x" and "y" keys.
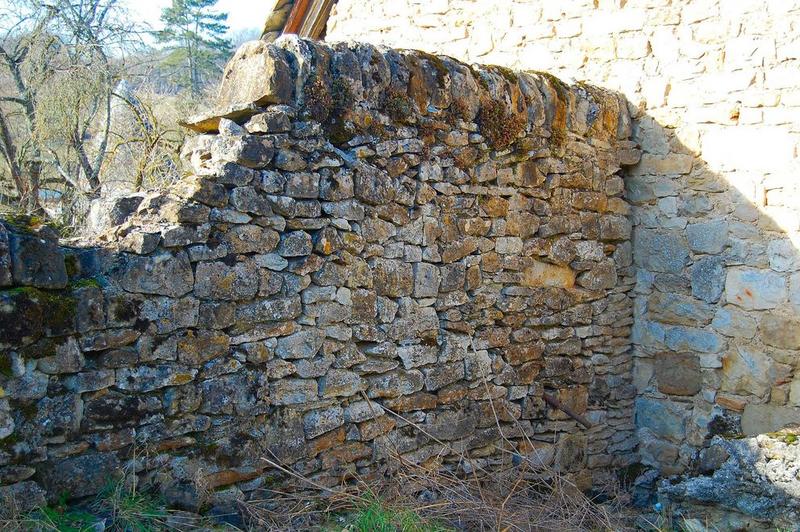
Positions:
{"x": 242, "y": 14}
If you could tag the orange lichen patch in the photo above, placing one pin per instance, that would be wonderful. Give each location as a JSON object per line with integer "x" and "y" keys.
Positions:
{"x": 326, "y": 441}
{"x": 418, "y": 401}
{"x": 731, "y": 402}
{"x": 544, "y": 274}
{"x": 452, "y": 394}
{"x": 376, "y": 427}
{"x": 182, "y": 378}
{"x": 228, "y": 477}
{"x": 345, "y": 454}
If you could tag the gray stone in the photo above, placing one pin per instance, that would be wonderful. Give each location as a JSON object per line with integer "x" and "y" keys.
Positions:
{"x": 393, "y": 278}
{"x": 164, "y": 273}
{"x": 26, "y": 495}
{"x": 303, "y": 344}
{"x": 336, "y": 186}
{"x": 678, "y": 309}
{"x": 170, "y": 314}
{"x": 68, "y": 359}
{"x": 395, "y": 384}
{"x": 426, "y": 280}
{"x": 441, "y": 375}
{"x": 660, "y": 252}
{"x": 258, "y": 74}
{"x": 81, "y": 476}
{"x": 707, "y": 237}
{"x": 754, "y": 289}
{"x": 417, "y": 355}
{"x": 691, "y": 339}
{"x": 7, "y": 424}
{"x": 477, "y": 365}
{"x": 373, "y": 186}
{"x": 600, "y": 277}
{"x": 347, "y": 210}
{"x": 664, "y": 418}
{"x": 293, "y": 391}
{"x": 708, "y": 278}
{"x": 302, "y": 186}
{"x": 275, "y": 119}
{"x": 762, "y": 419}
{"x": 267, "y": 310}
{"x": 733, "y": 322}
{"x": 271, "y": 261}
{"x": 362, "y": 411}
{"x": 341, "y": 383}
{"x": 246, "y": 199}
{"x": 217, "y": 280}
{"x": 251, "y": 239}
{"x": 149, "y": 378}
{"x": 783, "y": 255}
{"x": 5, "y": 259}
{"x": 290, "y": 161}
{"x": 318, "y": 422}
{"x": 202, "y": 190}
{"x": 750, "y": 481}
{"x": 36, "y": 260}
{"x": 294, "y": 244}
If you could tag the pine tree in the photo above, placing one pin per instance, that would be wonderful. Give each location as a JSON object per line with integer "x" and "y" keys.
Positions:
{"x": 195, "y": 37}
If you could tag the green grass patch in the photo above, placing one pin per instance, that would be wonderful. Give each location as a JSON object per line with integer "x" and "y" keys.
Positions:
{"x": 378, "y": 517}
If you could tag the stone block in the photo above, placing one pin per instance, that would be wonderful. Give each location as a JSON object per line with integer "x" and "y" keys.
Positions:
{"x": 708, "y": 278}
{"x": 707, "y": 237}
{"x": 691, "y": 339}
{"x": 393, "y": 278}
{"x": 747, "y": 371}
{"x": 163, "y": 273}
{"x": 780, "y": 331}
{"x": 678, "y": 374}
{"x": 257, "y": 74}
{"x": 37, "y": 260}
{"x": 542, "y": 274}
{"x": 665, "y": 418}
{"x": 426, "y": 280}
{"x": 678, "y": 309}
{"x": 660, "y": 252}
{"x": 217, "y": 280}
{"x": 318, "y": 422}
{"x": 754, "y": 289}
{"x": 762, "y": 419}
{"x": 303, "y": 344}
{"x": 731, "y": 321}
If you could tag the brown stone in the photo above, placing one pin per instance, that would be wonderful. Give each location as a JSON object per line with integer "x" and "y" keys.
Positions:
{"x": 517, "y": 354}
{"x": 544, "y": 274}
{"x": 345, "y": 454}
{"x": 417, "y": 401}
{"x": 778, "y": 331}
{"x": 326, "y": 441}
{"x": 678, "y": 374}
{"x": 376, "y": 427}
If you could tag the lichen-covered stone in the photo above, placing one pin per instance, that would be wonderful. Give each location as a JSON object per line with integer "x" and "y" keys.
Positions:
{"x": 164, "y": 273}
{"x": 37, "y": 260}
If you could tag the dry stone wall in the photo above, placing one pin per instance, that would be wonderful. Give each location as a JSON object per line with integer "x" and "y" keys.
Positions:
{"x": 361, "y": 233}
{"x": 714, "y": 88}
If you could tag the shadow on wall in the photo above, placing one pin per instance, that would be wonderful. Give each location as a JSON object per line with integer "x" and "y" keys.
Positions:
{"x": 717, "y": 299}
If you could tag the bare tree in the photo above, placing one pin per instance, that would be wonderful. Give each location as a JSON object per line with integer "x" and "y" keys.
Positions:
{"x": 59, "y": 63}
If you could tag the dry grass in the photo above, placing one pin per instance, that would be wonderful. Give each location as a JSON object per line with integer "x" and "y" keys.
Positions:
{"x": 515, "y": 493}
{"x": 523, "y": 495}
